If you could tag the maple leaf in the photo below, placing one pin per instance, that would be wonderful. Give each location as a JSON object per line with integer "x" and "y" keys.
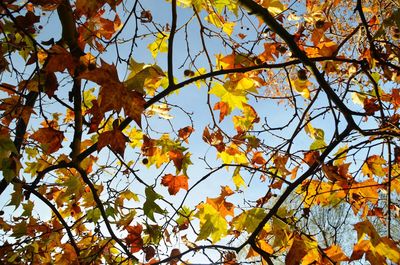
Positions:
{"x": 224, "y": 109}
{"x": 258, "y": 159}
{"x": 377, "y": 248}
{"x": 50, "y": 139}
{"x": 134, "y": 238}
{"x": 133, "y": 104}
{"x": 310, "y": 157}
{"x": 211, "y": 223}
{"x": 215, "y": 139}
{"x": 247, "y": 120}
{"x": 142, "y": 73}
{"x": 60, "y": 59}
{"x": 159, "y": 45}
{"x": 373, "y": 166}
{"x": 161, "y": 110}
{"x": 327, "y": 48}
{"x": 300, "y": 247}
{"x": 220, "y": 204}
{"x": 175, "y": 183}
{"x": 97, "y": 116}
{"x": 270, "y": 52}
{"x": 248, "y": 220}
{"x": 113, "y": 94}
{"x": 150, "y": 207}
{"x": 115, "y": 138}
{"x": 105, "y": 75}
{"x": 370, "y": 106}
{"x": 185, "y": 133}
{"x": 335, "y": 253}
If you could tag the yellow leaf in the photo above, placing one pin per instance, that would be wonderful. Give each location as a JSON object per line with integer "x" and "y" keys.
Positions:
{"x": 159, "y": 45}
{"x": 238, "y": 181}
{"x": 275, "y": 7}
{"x": 228, "y": 27}
{"x": 373, "y": 166}
{"x": 301, "y": 87}
{"x": 234, "y": 98}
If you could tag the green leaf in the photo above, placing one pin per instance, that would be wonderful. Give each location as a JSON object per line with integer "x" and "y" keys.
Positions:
{"x": 20, "y": 230}
{"x": 318, "y": 145}
{"x": 93, "y": 215}
{"x": 28, "y": 207}
{"x": 249, "y": 220}
{"x": 16, "y": 196}
{"x": 6, "y": 145}
{"x": 185, "y": 215}
{"x": 150, "y": 207}
{"x": 139, "y": 73}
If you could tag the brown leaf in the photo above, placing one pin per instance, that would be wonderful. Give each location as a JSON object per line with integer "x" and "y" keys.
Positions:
{"x": 175, "y": 252}
{"x": 59, "y": 59}
{"x": 115, "y": 138}
{"x": 370, "y": 106}
{"x": 97, "y": 116}
{"x": 50, "y": 139}
{"x": 184, "y": 133}
{"x": 175, "y": 183}
{"x": 133, "y": 104}
{"x": 51, "y": 84}
{"x": 149, "y": 251}
{"x": 105, "y": 75}
{"x": 297, "y": 251}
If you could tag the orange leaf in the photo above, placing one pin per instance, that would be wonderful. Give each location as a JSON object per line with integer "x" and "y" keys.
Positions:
{"x": 258, "y": 159}
{"x": 335, "y": 253}
{"x": 223, "y": 107}
{"x": 177, "y": 157}
{"x": 115, "y": 138}
{"x": 310, "y": 157}
{"x": 49, "y": 138}
{"x": 175, "y": 183}
{"x": 225, "y": 208}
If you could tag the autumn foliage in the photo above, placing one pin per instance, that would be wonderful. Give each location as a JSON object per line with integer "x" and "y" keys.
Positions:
{"x": 199, "y": 131}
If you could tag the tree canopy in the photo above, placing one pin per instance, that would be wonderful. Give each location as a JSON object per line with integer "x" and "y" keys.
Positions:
{"x": 199, "y": 131}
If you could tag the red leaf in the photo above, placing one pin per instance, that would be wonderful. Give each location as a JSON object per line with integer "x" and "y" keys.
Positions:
{"x": 175, "y": 183}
